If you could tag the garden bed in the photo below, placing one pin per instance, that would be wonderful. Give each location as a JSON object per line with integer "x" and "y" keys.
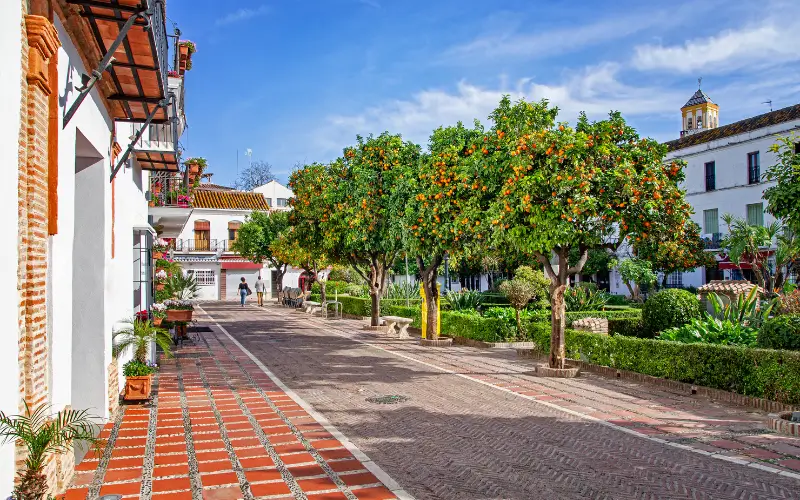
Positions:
{"x": 761, "y": 378}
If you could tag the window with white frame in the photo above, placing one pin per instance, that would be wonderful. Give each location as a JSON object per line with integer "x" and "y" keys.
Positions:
{"x": 282, "y": 202}
{"x": 204, "y": 277}
{"x": 675, "y": 280}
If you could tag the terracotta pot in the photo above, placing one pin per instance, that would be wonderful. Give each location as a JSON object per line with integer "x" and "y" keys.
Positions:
{"x": 138, "y": 388}
{"x": 179, "y": 315}
{"x": 158, "y": 255}
{"x": 157, "y": 321}
{"x": 194, "y": 168}
{"x": 160, "y": 286}
{"x": 151, "y": 204}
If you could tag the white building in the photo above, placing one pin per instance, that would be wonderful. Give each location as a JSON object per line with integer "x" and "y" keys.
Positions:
{"x": 724, "y": 168}
{"x": 77, "y": 199}
{"x": 276, "y": 194}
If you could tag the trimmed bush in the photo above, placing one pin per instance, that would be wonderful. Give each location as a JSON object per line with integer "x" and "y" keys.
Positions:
{"x": 473, "y": 326}
{"x": 669, "y": 309}
{"x": 330, "y": 288}
{"x": 780, "y": 332}
{"x": 492, "y": 299}
{"x": 616, "y": 300}
{"x": 412, "y": 312}
{"x": 575, "y": 315}
{"x": 628, "y": 327}
{"x": 769, "y": 374}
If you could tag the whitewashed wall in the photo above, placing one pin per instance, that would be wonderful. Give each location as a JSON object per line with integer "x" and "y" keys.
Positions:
{"x": 274, "y": 190}
{"x": 10, "y": 80}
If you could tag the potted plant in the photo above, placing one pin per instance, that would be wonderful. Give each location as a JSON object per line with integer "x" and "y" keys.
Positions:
{"x": 137, "y": 335}
{"x": 161, "y": 279}
{"x": 179, "y": 310}
{"x": 160, "y": 247}
{"x": 43, "y": 435}
{"x": 159, "y": 312}
{"x": 184, "y": 200}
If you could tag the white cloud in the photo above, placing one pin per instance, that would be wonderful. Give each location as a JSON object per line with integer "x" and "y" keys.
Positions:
{"x": 596, "y": 90}
{"x": 242, "y": 15}
{"x": 768, "y": 44}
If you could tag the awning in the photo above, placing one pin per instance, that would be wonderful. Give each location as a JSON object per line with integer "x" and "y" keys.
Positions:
{"x": 202, "y": 225}
{"x": 158, "y": 161}
{"x": 145, "y": 227}
{"x": 241, "y": 265}
{"x": 724, "y": 262}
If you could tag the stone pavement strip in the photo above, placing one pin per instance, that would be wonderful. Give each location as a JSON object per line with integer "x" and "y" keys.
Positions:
{"x": 478, "y": 424}
{"x": 219, "y": 428}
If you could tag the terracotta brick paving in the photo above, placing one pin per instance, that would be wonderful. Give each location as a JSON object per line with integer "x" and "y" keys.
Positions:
{"x": 479, "y": 425}
{"x": 220, "y": 428}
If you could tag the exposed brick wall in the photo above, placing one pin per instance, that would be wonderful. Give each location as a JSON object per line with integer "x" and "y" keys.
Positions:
{"x": 113, "y": 388}
{"x": 223, "y": 286}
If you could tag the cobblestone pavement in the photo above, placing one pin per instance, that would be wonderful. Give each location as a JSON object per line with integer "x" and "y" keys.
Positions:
{"x": 221, "y": 428}
{"x": 477, "y": 424}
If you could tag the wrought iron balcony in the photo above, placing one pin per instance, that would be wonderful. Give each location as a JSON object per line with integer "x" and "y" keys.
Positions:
{"x": 196, "y": 245}
{"x": 168, "y": 189}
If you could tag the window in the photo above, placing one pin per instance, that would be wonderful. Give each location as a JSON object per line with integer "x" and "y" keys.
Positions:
{"x": 753, "y": 168}
{"x": 755, "y": 214}
{"x": 675, "y": 280}
{"x": 711, "y": 221}
{"x": 281, "y": 202}
{"x": 233, "y": 230}
{"x": 797, "y": 148}
{"x": 269, "y": 202}
{"x": 711, "y": 176}
{"x": 700, "y": 120}
{"x": 689, "y": 123}
{"x": 204, "y": 277}
{"x": 202, "y": 235}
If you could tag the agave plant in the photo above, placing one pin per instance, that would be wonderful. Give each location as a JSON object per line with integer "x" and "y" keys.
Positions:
{"x": 745, "y": 310}
{"x": 404, "y": 290}
{"x": 464, "y": 300}
{"x": 42, "y": 436}
{"x": 585, "y": 297}
{"x": 138, "y": 335}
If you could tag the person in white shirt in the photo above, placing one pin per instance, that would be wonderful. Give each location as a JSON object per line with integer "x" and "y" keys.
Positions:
{"x": 261, "y": 287}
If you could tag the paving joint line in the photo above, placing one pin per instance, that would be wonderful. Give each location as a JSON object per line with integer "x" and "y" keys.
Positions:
{"x": 280, "y": 466}
{"x": 195, "y": 481}
{"x": 362, "y": 457}
{"x": 102, "y": 464}
{"x": 146, "y": 491}
{"x": 566, "y": 410}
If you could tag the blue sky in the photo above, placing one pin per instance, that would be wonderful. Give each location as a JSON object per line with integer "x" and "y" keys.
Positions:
{"x": 295, "y": 81}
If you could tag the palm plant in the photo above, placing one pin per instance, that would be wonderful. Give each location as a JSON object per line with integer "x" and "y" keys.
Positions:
{"x": 745, "y": 310}
{"x": 43, "y": 436}
{"x": 137, "y": 335}
{"x": 403, "y": 290}
{"x": 745, "y": 243}
{"x": 182, "y": 286}
{"x": 465, "y": 300}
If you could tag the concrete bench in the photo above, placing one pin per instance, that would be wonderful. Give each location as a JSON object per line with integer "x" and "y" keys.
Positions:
{"x": 396, "y": 323}
{"x": 311, "y": 307}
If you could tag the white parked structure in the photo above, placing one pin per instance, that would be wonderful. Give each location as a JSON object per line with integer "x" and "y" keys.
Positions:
{"x": 724, "y": 168}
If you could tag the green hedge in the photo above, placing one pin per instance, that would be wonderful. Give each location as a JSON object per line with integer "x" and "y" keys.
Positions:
{"x": 629, "y": 327}
{"x": 359, "y": 306}
{"x": 404, "y": 312}
{"x": 670, "y": 308}
{"x": 780, "y": 332}
{"x": 609, "y": 315}
{"x": 473, "y": 326}
{"x": 770, "y": 374}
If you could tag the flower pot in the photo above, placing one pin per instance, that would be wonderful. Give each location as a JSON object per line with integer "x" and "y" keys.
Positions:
{"x": 157, "y": 321}
{"x": 158, "y": 255}
{"x": 138, "y": 388}
{"x": 179, "y": 315}
{"x": 160, "y": 286}
{"x": 194, "y": 168}
{"x": 183, "y": 204}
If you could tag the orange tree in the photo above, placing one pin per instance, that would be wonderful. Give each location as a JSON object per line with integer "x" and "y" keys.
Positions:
{"x": 444, "y": 211}
{"x": 256, "y": 237}
{"x": 363, "y": 207}
{"x": 676, "y": 251}
{"x": 308, "y": 243}
{"x": 594, "y": 186}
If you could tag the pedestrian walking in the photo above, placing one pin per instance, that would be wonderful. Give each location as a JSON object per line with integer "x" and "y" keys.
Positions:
{"x": 244, "y": 291}
{"x": 261, "y": 287}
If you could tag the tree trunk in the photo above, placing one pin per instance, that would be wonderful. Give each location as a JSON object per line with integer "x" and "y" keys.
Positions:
{"x": 630, "y": 289}
{"x": 377, "y": 284}
{"x": 279, "y": 278}
{"x": 558, "y": 319}
{"x": 322, "y": 286}
{"x": 375, "y": 295}
{"x": 429, "y": 275}
{"x": 520, "y": 333}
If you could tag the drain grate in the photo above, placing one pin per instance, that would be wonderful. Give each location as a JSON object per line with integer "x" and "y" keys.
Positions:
{"x": 389, "y": 399}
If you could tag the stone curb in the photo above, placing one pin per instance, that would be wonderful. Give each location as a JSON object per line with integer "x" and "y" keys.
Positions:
{"x": 780, "y": 423}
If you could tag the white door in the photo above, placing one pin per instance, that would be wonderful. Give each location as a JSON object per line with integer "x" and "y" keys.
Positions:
{"x": 234, "y": 277}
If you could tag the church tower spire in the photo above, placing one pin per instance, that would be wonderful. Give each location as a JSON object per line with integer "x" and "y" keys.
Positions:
{"x": 699, "y": 113}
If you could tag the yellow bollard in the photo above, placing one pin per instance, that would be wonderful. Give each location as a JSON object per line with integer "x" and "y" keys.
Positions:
{"x": 424, "y": 311}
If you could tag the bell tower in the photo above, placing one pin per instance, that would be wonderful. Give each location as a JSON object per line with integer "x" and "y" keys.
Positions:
{"x": 699, "y": 113}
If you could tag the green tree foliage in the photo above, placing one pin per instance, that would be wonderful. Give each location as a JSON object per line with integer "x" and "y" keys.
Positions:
{"x": 256, "y": 238}
{"x": 557, "y": 188}
{"x": 526, "y": 286}
{"x": 361, "y": 198}
{"x": 635, "y": 272}
{"x": 783, "y": 199}
{"x": 444, "y": 213}
{"x": 675, "y": 252}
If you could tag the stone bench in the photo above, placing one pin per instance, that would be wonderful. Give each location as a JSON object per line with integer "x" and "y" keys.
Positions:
{"x": 400, "y": 324}
{"x": 311, "y": 307}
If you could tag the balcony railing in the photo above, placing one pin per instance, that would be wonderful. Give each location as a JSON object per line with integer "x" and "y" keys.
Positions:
{"x": 714, "y": 242}
{"x": 191, "y": 245}
{"x": 168, "y": 189}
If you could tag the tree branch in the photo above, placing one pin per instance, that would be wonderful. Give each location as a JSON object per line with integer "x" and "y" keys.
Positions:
{"x": 581, "y": 261}
{"x": 548, "y": 268}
